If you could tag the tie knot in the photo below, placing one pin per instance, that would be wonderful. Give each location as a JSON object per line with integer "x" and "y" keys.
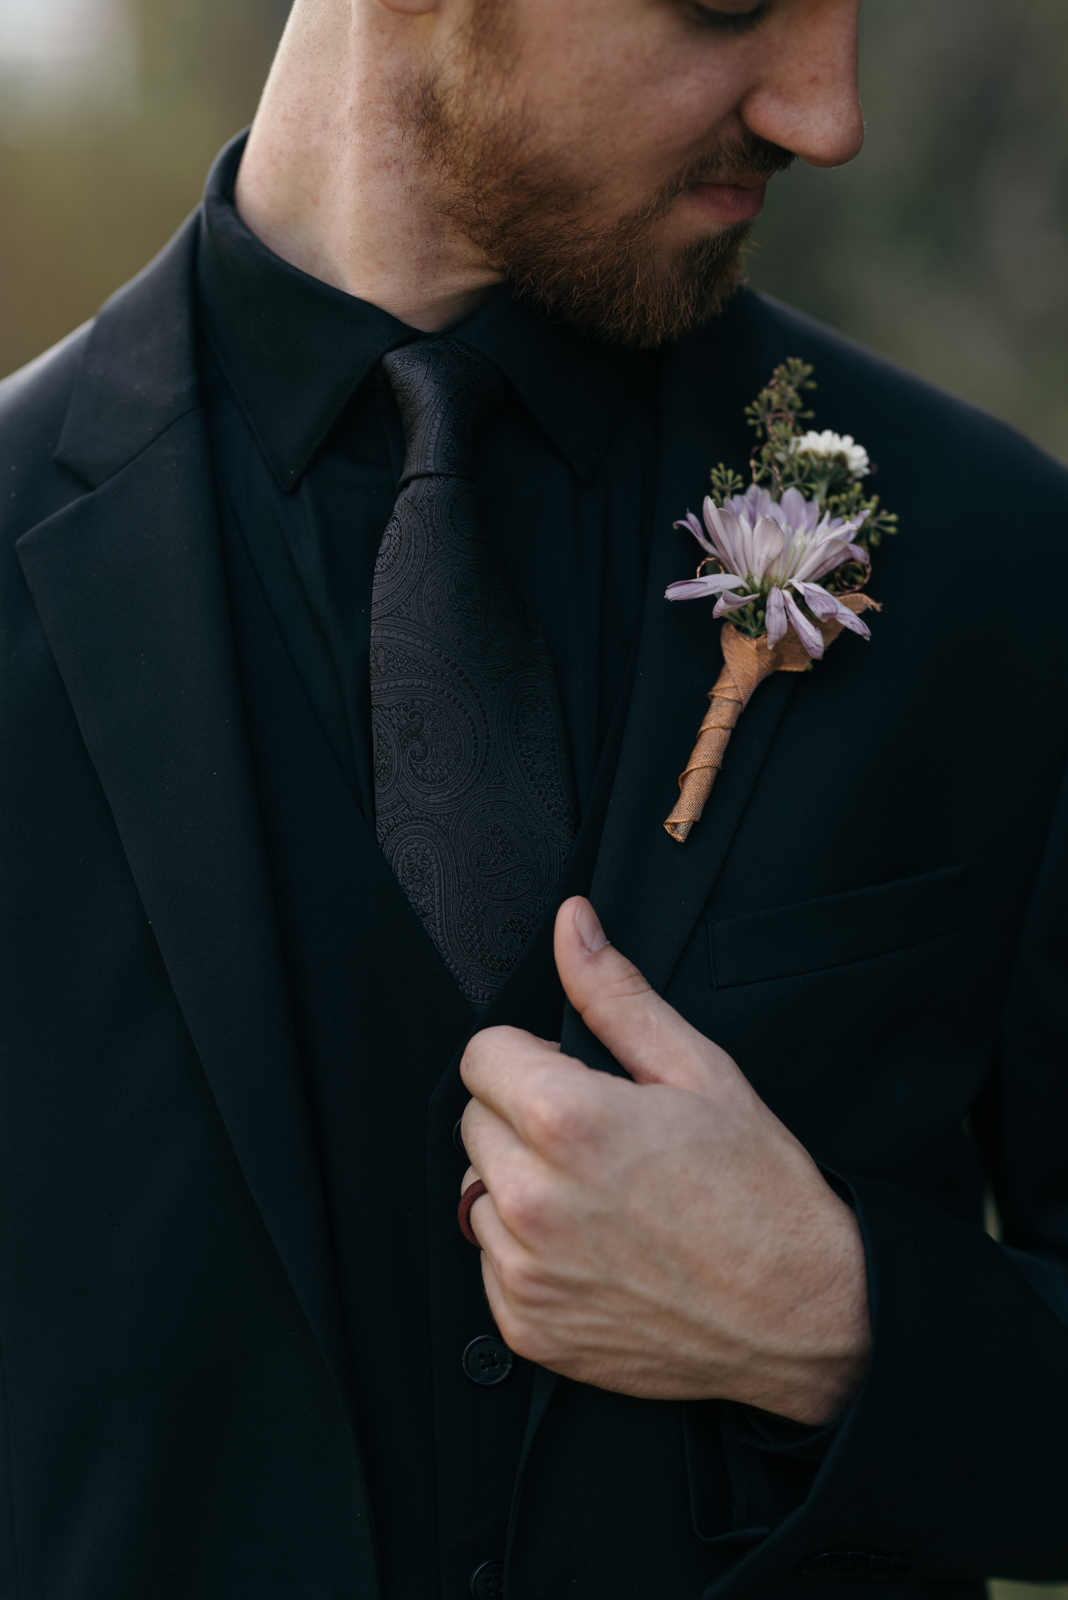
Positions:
{"x": 446, "y": 393}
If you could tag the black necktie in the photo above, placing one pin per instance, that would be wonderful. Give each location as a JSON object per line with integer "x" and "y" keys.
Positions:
{"x": 474, "y": 802}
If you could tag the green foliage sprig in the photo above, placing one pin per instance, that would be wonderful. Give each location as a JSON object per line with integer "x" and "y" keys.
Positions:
{"x": 777, "y": 415}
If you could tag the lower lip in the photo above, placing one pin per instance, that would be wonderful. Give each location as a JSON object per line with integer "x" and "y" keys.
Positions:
{"x": 729, "y": 202}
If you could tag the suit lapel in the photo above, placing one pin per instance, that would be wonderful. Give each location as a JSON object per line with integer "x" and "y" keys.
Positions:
{"x": 649, "y": 890}
{"x": 129, "y": 586}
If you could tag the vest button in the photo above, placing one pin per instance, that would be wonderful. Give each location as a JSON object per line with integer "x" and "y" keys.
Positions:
{"x": 487, "y": 1360}
{"x": 487, "y": 1583}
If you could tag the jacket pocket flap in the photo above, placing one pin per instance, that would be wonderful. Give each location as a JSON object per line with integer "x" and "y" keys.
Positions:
{"x": 834, "y": 930}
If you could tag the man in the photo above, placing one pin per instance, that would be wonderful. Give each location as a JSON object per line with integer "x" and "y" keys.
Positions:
{"x": 342, "y": 709}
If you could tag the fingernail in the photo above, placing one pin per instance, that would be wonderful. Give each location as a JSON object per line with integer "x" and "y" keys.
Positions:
{"x": 589, "y": 928}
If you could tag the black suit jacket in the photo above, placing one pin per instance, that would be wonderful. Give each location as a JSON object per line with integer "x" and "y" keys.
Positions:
{"x": 870, "y": 917}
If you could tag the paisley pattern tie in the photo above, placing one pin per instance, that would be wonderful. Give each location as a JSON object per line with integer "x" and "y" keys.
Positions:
{"x": 474, "y": 800}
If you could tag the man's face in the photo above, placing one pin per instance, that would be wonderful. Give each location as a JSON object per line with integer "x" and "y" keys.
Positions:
{"x": 609, "y": 156}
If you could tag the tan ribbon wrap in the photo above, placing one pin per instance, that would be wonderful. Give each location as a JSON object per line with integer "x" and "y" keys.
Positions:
{"x": 746, "y": 663}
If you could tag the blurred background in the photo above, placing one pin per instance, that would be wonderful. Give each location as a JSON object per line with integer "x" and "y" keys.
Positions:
{"x": 945, "y": 245}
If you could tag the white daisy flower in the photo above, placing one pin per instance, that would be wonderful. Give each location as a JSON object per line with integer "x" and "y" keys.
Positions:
{"x": 834, "y": 444}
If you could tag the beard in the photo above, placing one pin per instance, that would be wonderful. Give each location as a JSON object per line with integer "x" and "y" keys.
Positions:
{"x": 535, "y": 221}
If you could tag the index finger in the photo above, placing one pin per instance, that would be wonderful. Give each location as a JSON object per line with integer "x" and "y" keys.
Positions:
{"x": 521, "y": 1078}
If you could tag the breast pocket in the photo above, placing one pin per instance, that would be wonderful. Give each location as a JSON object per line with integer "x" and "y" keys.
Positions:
{"x": 835, "y": 930}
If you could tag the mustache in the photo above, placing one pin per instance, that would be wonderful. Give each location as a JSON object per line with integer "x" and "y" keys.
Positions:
{"x": 744, "y": 159}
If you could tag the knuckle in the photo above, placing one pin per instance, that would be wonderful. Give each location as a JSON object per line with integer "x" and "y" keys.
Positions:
{"x": 629, "y": 984}
{"x": 557, "y": 1116}
{"x": 627, "y": 991}
{"x": 547, "y": 1119}
{"x": 518, "y": 1276}
{"x": 524, "y": 1205}
{"x": 522, "y": 1284}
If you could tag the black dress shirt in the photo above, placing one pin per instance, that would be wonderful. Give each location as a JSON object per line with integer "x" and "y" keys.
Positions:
{"x": 308, "y": 448}
{"x": 308, "y": 441}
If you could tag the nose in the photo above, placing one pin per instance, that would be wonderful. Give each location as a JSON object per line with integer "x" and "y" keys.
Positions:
{"x": 807, "y": 98}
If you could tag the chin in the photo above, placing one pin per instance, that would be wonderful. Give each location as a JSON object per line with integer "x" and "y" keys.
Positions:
{"x": 684, "y": 231}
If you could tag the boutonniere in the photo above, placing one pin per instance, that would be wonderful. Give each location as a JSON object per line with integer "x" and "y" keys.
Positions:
{"x": 787, "y": 558}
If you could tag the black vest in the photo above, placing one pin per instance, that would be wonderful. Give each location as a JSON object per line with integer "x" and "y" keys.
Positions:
{"x": 381, "y": 1027}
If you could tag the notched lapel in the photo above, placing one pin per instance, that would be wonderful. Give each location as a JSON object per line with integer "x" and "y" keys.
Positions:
{"x": 129, "y": 587}
{"x": 649, "y": 890}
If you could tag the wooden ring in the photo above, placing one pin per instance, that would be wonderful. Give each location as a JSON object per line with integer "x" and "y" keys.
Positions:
{"x": 473, "y": 1192}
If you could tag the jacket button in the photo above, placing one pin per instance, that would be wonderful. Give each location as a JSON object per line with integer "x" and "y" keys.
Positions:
{"x": 875, "y": 1565}
{"x": 487, "y": 1360}
{"x": 487, "y": 1583}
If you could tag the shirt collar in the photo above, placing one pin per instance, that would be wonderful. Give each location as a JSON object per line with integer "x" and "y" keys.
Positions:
{"x": 295, "y": 350}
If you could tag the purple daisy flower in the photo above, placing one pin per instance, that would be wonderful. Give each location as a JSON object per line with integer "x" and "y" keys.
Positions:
{"x": 769, "y": 548}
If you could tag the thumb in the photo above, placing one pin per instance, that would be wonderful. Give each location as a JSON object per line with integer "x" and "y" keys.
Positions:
{"x": 644, "y": 1033}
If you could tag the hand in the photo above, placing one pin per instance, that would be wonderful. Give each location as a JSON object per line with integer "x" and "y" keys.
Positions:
{"x": 667, "y": 1238}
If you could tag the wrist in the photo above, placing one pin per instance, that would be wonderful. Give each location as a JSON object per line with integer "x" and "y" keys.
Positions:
{"x": 815, "y": 1359}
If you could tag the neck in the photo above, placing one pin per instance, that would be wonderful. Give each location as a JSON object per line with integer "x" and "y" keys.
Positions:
{"x": 330, "y": 181}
